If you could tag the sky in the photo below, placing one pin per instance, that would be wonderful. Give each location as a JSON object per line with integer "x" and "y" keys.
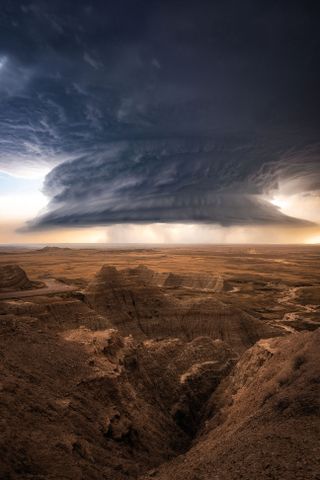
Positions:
{"x": 159, "y": 121}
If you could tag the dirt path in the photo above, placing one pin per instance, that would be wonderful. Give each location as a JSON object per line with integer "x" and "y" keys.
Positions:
{"x": 51, "y": 286}
{"x": 289, "y": 298}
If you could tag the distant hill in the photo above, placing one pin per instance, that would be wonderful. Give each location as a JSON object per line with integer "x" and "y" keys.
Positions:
{"x": 53, "y": 249}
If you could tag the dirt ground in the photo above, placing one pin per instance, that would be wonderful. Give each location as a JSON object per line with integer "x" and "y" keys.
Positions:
{"x": 258, "y": 279}
{"x": 201, "y": 364}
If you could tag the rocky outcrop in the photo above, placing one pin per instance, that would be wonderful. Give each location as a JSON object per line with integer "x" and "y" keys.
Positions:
{"x": 93, "y": 404}
{"x": 263, "y": 421}
{"x": 136, "y": 305}
{"x": 56, "y": 312}
{"x": 184, "y": 374}
{"x": 196, "y": 281}
{"x": 13, "y": 278}
{"x": 166, "y": 398}
{"x": 129, "y": 300}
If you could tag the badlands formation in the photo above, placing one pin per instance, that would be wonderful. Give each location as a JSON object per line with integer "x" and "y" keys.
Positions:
{"x": 12, "y": 277}
{"x": 146, "y": 304}
{"x": 147, "y": 373}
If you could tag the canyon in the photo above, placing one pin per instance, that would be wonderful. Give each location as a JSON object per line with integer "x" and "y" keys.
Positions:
{"x": 192, "y": 363}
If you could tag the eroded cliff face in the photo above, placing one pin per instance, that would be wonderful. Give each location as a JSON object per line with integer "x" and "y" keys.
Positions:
{"x": 81, "y": 403}
{"x": 263, "y": 421}
{"x": 145, "y": 380}
{"x": 145, "y": 304}
{"x": 13, "y": 277}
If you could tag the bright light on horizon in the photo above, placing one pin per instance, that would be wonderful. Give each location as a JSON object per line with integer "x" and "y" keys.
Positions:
{"x": 22, "y": 206}
{"x": 313, "y": 240}
{"x": 301, "y": 205}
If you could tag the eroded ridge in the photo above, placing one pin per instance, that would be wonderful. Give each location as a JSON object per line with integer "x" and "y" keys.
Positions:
{"x": 149, "y": 374}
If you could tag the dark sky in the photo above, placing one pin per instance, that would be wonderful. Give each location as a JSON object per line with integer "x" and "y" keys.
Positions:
{"x": 162, "y": 111}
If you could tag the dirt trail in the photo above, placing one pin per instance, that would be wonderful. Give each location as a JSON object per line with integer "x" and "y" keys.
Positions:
{"x": 51, "y": 286}
{"x": 289, "y": 298}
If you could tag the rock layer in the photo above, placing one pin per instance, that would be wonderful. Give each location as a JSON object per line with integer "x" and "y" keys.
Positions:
{"x": 137, "y": 305}
{"x": 12, "y": 277}
{"x": 92, "y": 404}
{"x": 263, "y": 421}
{"x": 151, "y": 377}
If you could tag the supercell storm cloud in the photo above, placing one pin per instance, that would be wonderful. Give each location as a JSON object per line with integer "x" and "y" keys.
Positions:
{"x": 171, "y": 181}
{"x": 155, "y": 111}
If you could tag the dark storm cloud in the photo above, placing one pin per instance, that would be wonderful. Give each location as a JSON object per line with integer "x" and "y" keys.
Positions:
{"x": 189, "y": 180}
{"x": 161, "y": 111}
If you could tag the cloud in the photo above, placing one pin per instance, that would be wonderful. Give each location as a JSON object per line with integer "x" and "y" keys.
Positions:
{"x": 14, "y": 77}
{"x": 147, "y": 112}
{"x": 94, "y": 63}
{"x": 188, "y": 180}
